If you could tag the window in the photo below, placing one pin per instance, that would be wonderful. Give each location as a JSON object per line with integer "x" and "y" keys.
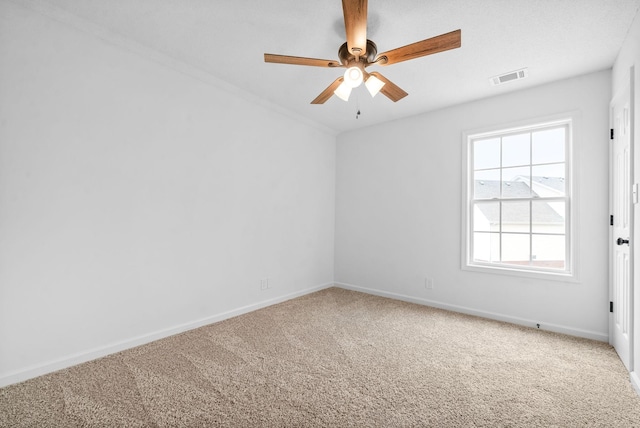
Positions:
{"x": 518, "y": 191}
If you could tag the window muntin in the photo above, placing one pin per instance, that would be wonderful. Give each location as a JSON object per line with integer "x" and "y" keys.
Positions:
{"x": 519, "y": 202}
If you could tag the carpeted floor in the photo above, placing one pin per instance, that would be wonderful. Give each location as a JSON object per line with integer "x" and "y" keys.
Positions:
{"x": 338, "y": 358}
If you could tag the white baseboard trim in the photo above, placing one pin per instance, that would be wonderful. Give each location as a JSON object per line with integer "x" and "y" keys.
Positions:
{"x": 483, "y": 314}
{"x": 635, "y": 381}
{"x": 103, "y": 351}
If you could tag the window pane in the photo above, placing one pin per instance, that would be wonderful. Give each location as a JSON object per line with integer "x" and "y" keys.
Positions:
{"x": 487, "y": 184}
{"x": 515, "y": 217}
{"x": 548, "y": 217}
{"x": 548, "y": 146}
{"x": 486, "y": 247}
{"x": 486, "y": 217}
{"x": 515, "y": 183}
{"x": 515, "y": 249}
{"x": 549, "y": 251}
{"x": 548, "y": 180}
{"x": 486, "y": 153}
{"x": 515, "y": 150}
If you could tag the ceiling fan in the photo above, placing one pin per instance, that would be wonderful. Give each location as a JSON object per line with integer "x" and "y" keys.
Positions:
{"x": 358, "y": 53}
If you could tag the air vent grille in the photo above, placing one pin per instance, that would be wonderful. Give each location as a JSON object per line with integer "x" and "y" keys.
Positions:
{"x": 509, "y": 77}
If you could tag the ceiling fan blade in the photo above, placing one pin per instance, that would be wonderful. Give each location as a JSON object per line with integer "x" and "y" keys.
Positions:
{"x": 328, "y": 93}
{"x": 430, "y": 46}
{"x": 355, "y": 25}
{"x": 297, "y": 60}
{"x": 390, "y": 89}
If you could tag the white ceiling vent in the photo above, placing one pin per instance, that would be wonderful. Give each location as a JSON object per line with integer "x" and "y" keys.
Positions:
{"x": 509, "y": 77}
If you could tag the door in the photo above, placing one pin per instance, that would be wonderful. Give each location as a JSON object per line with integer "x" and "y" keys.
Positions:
{"x": 621, "y": 247}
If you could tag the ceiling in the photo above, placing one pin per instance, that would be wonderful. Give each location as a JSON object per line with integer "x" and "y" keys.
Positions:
{"x": 227, "y": 39}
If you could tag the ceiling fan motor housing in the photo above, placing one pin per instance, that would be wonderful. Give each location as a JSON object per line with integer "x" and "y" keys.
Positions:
{"x": 347, "y": 57}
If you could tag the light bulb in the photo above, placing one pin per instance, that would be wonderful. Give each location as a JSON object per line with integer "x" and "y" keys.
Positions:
{"x": 343, "y": 91}
{"x": 373, "y": 85}
{"x": 353, "y": 76}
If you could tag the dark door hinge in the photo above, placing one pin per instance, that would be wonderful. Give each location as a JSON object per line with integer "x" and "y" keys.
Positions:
{"x": 610, "y": 306}
{"x": 612, "y": 133}
{"x": 611, "y": 220}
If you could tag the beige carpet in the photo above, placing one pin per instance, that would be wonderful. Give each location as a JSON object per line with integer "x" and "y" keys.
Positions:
{"x": 338, "y": 358}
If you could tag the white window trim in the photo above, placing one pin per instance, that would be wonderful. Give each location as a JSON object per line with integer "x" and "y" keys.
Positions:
{"x": 572, "y": 275}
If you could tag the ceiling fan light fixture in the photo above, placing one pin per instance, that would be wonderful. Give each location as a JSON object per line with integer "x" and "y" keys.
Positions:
{"x": 373, "y": 85}
{"x": 358, "y": 53}
{"x": 343, "y": 91}
{"x": 353, "y": 76}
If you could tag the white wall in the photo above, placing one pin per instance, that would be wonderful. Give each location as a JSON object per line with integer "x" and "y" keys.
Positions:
{"x": 398, "y": 210}
{"x": 628, "y": 57}
{"x": 137, "y": 201}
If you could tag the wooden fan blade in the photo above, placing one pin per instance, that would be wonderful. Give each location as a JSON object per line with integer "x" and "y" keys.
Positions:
{"x": 430, "y": 46}
{"x": 355, "y": 25}
{"x": 390, "y": 89}
{"x": 297, "y": 60}
{"x": 327, "y": 93}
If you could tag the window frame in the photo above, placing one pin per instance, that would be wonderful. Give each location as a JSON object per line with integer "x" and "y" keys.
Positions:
{"x": 570, "y": 273}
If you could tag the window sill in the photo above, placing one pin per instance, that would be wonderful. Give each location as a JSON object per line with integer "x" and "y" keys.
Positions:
{"x": 523, "y": 273}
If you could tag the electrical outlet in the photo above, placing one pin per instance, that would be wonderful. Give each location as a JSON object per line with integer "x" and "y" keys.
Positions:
{"x": 264, "y": 284}
{"x": 428, "y": 283}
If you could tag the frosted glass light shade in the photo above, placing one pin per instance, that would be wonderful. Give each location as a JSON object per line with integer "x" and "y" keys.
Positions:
{"x": 373, "y": 85}
{"x": 343, "y": 91}
{"x": 353, "y": 76}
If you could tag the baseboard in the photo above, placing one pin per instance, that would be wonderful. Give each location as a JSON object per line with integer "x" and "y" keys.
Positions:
{"x": 103, "y": 351}
{"x": 635, "y": 381}
{"x": 483, "y": 314}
